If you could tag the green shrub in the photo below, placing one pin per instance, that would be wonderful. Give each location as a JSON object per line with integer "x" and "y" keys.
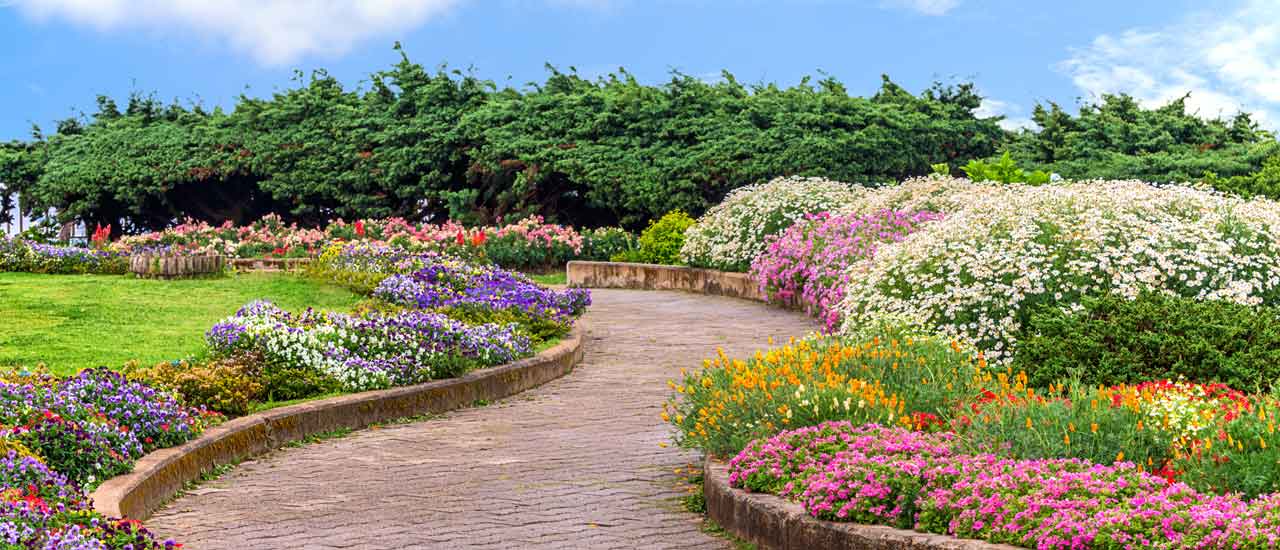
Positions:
{"x": 1153, "y": 337}
{"x": 606, "y": 242}
{"x": 229, "y": 385}
{"x": 1002, "y": 171}
{"x": 539, "y": 329}
{"x": 289, "y": 383}
{"x": 1263, "y": 183}
{"x": 660, "y": 243}
{"x": 516, "y": 251}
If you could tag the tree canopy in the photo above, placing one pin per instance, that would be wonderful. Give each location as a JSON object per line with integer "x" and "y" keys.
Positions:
{"x": 428, "y": 144}
{"x": 432, "y": 144}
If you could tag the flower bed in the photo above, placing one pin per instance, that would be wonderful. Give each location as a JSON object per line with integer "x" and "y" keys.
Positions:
{"x": 1165, "y": 451}
{"x": 19, "y": 255}
{"x": 526, "y": 244}
{"x": 430, "y": 316}
{"x": 63, "y": 437}
{"x": 733, "y": 233}
{"x": 892, "y": 476}
{"x": 980, "y": 272}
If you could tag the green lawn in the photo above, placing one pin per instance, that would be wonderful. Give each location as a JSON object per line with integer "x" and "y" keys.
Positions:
{"x": 550, "y": 278}
{"x": 70, "y": 322}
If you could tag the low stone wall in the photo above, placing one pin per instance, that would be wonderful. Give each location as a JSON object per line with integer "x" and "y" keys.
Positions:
{"x": 663, "y": 277}
{"x": 270, "y": 264}
{"x": 160, "y": 475}
{"x": 175, "y": 267}
{"x": 776, "y": 523}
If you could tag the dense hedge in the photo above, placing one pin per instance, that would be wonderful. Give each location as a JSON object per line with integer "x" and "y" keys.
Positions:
{"x": 1116, "y": 138}
{"x": 434, "y": 144}
{"x": 1153, "y": 337}
{"x": 428, "y": 145}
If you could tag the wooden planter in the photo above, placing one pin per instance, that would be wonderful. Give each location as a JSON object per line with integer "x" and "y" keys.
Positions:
{"x": 173, "y": 267}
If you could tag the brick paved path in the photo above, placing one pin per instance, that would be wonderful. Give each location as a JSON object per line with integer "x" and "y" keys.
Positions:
{"x": 572, "y": 464}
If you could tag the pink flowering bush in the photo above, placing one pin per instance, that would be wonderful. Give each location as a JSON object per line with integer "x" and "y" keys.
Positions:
{"x": 808, "y": 264}
{"x": 526, "y": 244}
{"x": 892, "y": 476}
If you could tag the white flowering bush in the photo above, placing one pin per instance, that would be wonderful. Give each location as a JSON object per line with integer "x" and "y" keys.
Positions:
{"x": 371, "y": 351}
{"x": 1004, "y": 250}
{"x": 734, "y": 232}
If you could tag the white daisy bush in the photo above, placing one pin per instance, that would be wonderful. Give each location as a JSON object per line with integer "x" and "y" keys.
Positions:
{"x": 1003, "y": 250}
{"x": 734, "y": 232}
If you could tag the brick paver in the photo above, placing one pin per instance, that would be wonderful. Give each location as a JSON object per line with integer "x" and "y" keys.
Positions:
{"x": 573, "y": 464}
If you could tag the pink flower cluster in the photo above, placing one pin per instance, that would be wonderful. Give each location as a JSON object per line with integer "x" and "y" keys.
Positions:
{"x": 270, "y": 236}
{"x": 535, "y": 230}
{"x": 896, "y": 477}
{"x": 808, "y": 264}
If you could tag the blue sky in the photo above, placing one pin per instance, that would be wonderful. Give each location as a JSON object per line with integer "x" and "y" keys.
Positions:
{"x": 57, "y": 55}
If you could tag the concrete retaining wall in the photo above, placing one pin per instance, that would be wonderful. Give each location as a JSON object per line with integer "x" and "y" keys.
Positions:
{"x": 663, "y": 277}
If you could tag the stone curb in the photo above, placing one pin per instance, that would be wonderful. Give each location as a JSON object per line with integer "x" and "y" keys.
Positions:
{"x": 663, "y": 277}
{"x": 160, "y": 475}
{"x": 779, "y": 524}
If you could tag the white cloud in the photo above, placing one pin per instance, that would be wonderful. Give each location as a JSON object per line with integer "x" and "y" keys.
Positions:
{"x": 926, "y": 7}
{"x": 1013, "y": 118}
{"x": 1228, "y": 62}
{"x": 274, "y": 32}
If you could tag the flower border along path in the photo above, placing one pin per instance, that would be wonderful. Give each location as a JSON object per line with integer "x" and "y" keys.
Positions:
{"x": 160, "y": 475}
{"x": 776, "y": 523}
{"x": 767, "y": 520}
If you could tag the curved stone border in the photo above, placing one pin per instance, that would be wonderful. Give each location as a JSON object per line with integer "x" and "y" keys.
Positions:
{"x": 663, "y": 277}
{"x": 163, "y": 473}
{"x": 777, "y": 523}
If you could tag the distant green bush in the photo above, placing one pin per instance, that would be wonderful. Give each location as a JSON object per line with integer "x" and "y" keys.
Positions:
{"x": 1003, "y": 171}
{"x": 660, "y": 243}
{"x": 1263, "y": 183}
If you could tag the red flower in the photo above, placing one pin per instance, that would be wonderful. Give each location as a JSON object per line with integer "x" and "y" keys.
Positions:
{"x": 461, "y": 239}
{"x": 360, "y": 228}
{"x": 478, "y": 238}
{"x": 101, "y": 235}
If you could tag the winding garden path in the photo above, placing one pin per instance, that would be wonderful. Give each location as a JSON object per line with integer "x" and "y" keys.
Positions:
{"x": 572, "y": 464}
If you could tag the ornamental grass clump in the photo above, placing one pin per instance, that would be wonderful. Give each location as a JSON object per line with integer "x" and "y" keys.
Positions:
{"x": 1009, "y": 250}
{"x": 807, "y": 265}
{"x": 731, "y": 234}
{"x": 896, "y": 477}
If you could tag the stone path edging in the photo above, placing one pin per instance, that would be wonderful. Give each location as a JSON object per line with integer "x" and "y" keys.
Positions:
{"x": 776, "y": 523}
{"x": 663, "y": 277}
{"x": 160, "y": 475}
